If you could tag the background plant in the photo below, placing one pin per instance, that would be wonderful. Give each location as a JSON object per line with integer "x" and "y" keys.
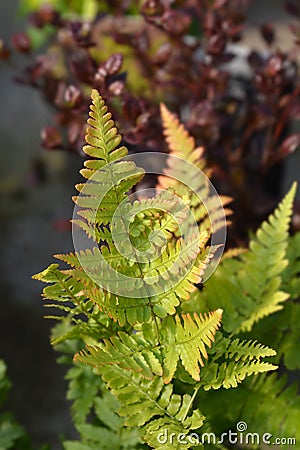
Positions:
{"x": 12, "y": 435}
{"x": 178, "y": 52}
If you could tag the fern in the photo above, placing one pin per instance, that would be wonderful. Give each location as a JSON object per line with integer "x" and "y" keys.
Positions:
{"x": 128, "y": 352}
{"x": 110, "y": 177}
{"x": 265, "y": 403}
{"x": 291, "y": 274}
{"x": 143, "y": 354}
{"x": 233, "y": 361}
{"x": 278, "y": 409}
{"x": 250, "y": 288}
{"x": 281, "y": 330}
{"x": 188, "y": 342}
{"x": 107, "y": 430}
{"x": 67, "y": 294}
{"x": 144, "y": 401}
{"x": 182, "y": 148}
{"x": 130, "y": 324}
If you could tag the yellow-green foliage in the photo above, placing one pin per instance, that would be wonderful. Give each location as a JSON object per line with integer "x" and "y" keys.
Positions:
{"x": 158, "y": 354}
{"x": 12, "y": 435}
{"x": 250, "y": 286}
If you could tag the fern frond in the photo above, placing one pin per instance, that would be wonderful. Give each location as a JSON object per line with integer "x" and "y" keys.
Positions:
{"x": 182, "y": 145}
{"x": 187, "y": 342}
{"x": 128, "y": 352}
{"x": 266, "y": 403}
{"x": 250, "y": 288}
{"x": 234, "y": 360}
{"x": 282, "y": 332}
{"x": 84, "y": 386}
{"x": 107, "y": 430}
{"x": 102, "y": 136}
{"x": 278, "y": 408}
{"x": 179, "y": 141}
{"x": 109, "y": 178}
{"x": 291, "y": 274}
{"x": 68, "y": 294}
{"x": 174, "y": 273}
{"x": 63, "y": 290}
{"x": 149, "y": 403}
{"x": 264, "y": 263}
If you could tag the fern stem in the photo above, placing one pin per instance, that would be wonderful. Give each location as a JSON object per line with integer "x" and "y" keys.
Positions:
{"x": 191, "y": 401}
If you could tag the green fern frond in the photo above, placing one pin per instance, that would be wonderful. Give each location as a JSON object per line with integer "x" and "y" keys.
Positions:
{"x": 233, "y": 361}
{"x": 102, "y": 136}
{"x": 67, "y": 294}
{"x": 162, "y": 434}
{"x": 174, "y": 273}
{"x": 82, "y": 330}
{"x": 267, "y": 403}
{"x": 122, "y": 309}
{"x": 291, "y": 274}
{"x": 135, "y": 345}
{"x": 250, "y": 288}
{"x": 165, "y": 279}
{"x": 187, "y": 342}
{"x": 107, "y": 430}
{"x": 143, "y": 402}
{"x": 109, "y": 177}
{"x": 282, "y": 332}
{"x": 278, "y": 408}
{"x": 84, "y": 386}
{"x": 128, "y": 352}
{"x": 264, "y": 263}
{"x": 63, "y": 290}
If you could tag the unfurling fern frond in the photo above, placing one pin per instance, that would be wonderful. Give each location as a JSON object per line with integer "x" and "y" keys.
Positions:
{"x": 250, "y": 288}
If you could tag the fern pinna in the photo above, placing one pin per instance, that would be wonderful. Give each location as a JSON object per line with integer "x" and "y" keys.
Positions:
{"x": 127, "y": 299}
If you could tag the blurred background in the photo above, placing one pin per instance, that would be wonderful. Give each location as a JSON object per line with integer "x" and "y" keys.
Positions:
{"x": 36, "y": 186}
